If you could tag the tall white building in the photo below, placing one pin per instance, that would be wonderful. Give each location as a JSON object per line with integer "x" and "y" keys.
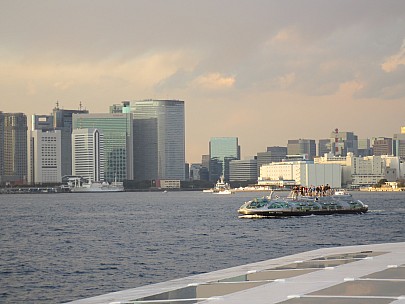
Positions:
{"x": 88, "y": 154}
{"x": 304, "y": 173}
{"x": 44, "y": 159}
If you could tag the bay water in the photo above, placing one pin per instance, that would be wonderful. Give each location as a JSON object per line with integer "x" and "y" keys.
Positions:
{"x": 56, "y": 248}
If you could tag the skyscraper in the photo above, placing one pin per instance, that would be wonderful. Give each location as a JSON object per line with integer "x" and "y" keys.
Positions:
{"x": 398, "y": 144}
{"x": 222, "y": 151}
{"x": 88, "y": 154}
{"x": 62, "y": 120}
{"x": 44, "y": 161}
{"x": 13, "y": 154}
{"x": 159, "y": 139}
{"x": 117, "y": 129}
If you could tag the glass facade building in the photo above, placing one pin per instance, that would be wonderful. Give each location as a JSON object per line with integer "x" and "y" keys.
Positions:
{"x": 222, "y": 151}
{"x": 117, "y": 129}
{"x": 159, "y": 139}
{"x": 13, "y": 151}
{"x": 302, "y": 147}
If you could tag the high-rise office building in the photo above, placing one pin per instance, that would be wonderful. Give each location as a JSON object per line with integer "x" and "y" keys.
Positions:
{"x": 222, "y": 151}
{"x": 62, "y": 120}
{"x": 1, "y": 147}
{"x": 117, "y": 129}
{"x": 44, "y": 161}
{"x": 323, "y": 147}
{"x": 159, "y": 139}
{"x": 302, "y": 147}
{"x": 13, "y": 153}
{"x": 398, "y": 144}
{"x": 88, "y": 154}
{"x": 243, "y": 170}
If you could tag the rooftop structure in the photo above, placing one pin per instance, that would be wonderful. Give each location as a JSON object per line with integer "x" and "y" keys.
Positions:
{"x": 372, "y": 274}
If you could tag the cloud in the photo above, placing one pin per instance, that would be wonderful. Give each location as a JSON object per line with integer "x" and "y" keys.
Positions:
{"x": 214, "y": 81}
{"x": 393, "y": 62}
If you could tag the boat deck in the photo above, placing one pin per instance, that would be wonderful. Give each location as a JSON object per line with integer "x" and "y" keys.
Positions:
{"x": 365, "y": 274}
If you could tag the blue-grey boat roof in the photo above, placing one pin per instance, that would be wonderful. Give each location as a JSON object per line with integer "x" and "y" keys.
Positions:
{"x": 364, "y": 274}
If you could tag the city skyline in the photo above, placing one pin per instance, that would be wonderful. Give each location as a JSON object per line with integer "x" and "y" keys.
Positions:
{"x": 287, "y": 69}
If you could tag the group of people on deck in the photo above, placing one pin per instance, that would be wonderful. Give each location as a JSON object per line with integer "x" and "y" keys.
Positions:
{"x": 323, "y": 190}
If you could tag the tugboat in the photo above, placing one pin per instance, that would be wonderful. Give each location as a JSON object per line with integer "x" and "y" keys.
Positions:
{"x": 339, "y": 202}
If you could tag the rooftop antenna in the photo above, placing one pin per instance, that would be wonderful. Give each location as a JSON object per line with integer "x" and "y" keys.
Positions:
{"x": 57, "y": 104}
{"x": 80, "y": 106}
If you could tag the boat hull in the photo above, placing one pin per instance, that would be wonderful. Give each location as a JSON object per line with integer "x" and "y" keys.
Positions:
{"x": 286, "y": 213}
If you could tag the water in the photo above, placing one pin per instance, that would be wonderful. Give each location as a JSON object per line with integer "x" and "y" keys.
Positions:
{"x": 61, "y": 247}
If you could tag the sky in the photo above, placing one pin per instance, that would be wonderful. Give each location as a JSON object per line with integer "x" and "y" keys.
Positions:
{"x": 264, "y": 71}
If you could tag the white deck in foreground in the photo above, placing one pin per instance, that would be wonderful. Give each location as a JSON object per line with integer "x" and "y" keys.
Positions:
{"x": 367, "y": 274}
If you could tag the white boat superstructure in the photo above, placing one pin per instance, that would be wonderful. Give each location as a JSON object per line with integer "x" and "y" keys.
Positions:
{"x": 76, "y": 185}
{"x": 221, "y": 187}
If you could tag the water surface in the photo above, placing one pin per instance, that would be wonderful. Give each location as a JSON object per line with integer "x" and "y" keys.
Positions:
{"x": 61, "y": 247}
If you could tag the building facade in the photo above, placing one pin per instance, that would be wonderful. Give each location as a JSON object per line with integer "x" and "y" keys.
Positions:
{"x": 88, "y": 154}
{"x": 13, "y": 151}
{"x": 63, "y": 121}
{"x": 44, "y": 161}
{"x": 222, "y": 151}
{"x": 304, "y": 173}
{"x": 301, "y": 147}
{"x": 382, "y": 146}
{"x": 398, "y": 144}
{"x": 272, "y": 154}
{"x": 243, "y": 170}
{"x": 117, "y": 130}
{"x": 159, "y": 139}
{"x": 342, "y": 143}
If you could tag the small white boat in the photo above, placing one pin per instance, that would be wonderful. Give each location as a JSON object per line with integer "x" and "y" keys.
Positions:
{"x": 76, "y": 185}
{"x": 220, "y": 188}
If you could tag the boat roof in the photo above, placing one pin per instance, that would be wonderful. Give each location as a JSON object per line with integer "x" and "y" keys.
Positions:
{"x": 372, "y": 274}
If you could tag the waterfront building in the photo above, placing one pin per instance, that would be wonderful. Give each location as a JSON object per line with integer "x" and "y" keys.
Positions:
{"x": 117, "y": 130}
{"x": 382, "y": 146}
{"x": 222, "y": 151}
{"x": 13, "y": 151}
{"x": 368, "y": 170}
{"x": 343, "y": 161}
{"x": 302, "y": 146}
{"x": 323, "y": 147}
{"x": 159, "y": 139}
{"x": 362, "y": 171}
{"x": 88, "y": 154}
{"x": 243, "y": 170}
{"x": 304, "y": 173}
{"x": 342, "y": 143}
{"x": 44, "y": 161}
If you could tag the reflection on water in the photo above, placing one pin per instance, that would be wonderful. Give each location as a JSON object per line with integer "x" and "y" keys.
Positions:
{"x": 61, "y": 247}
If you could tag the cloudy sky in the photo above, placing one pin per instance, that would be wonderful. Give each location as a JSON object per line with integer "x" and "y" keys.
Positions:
{"x": 264, "y": 71}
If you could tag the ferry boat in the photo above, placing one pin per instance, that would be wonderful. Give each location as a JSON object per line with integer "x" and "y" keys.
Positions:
{"x": 339, "y": 202}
